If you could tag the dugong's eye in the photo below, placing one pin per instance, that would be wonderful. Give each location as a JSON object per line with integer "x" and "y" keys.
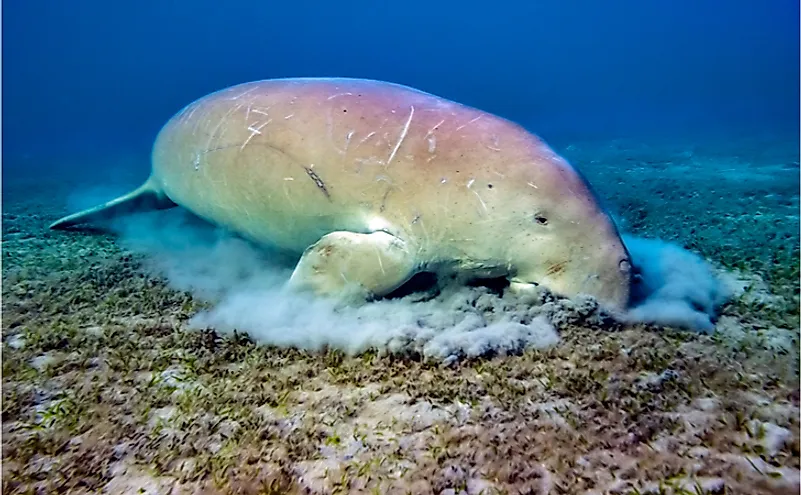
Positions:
{"x": 539, "y": 219}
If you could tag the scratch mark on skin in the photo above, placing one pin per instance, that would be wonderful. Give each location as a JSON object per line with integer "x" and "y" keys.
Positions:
{"x": 261, "y": 112}
{"x": 432, "y": 144}
{"x": 220, "y": 123}
{"x": 195, "y": 127}
{"x": 338, "y": 95}
{"x": 467, "y": 124}
{"x": 386, "y": 193}
{"x": 218, "y": 148}
{"x": 402, "y": 136}
{"x": 494, "y": 146}
{"x": 426, "y": 236}
{"x": 253, "y": 132}
{"x": 347, "y": 140}
{"x": 531, "y": 184}
{"x": 243, "y": 94}
{"x": 365, "y": 138}
{"x": 317, "y": 180}
{"x": 432, "y": 140}
{"x": 470, "y": 186}
{"x": 196, "y": 156}
{"x": 380, "y": 262}
{"x": 330, "y": 127}
{"x": 289, "y": 116}
{"x": 431, "y": 131}
{"x": 384, "y": 200}
{"x": 191, "y": 113}
{"x": 389, "y": 190}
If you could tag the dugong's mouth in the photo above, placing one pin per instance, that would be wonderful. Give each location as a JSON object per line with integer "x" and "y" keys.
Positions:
{"x": 610, "y": 284}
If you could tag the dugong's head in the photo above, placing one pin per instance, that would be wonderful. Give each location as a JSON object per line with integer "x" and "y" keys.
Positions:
{"x": 561, "y": 236}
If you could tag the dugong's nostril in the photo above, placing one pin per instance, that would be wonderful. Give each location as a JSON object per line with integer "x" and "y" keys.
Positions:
{"x": 625, "y": 266}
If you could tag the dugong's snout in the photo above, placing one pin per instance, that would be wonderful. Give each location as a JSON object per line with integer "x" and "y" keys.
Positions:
{"x": 606, "y": 276}
{"x": 594, "y": 263}
{"x": 603, "y": 267}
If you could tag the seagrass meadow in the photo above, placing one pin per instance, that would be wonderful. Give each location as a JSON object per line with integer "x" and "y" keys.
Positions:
{"x": 108, "y": 387}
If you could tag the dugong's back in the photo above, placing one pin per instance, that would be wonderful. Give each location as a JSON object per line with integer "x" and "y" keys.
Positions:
{"x": 316, "y": 155}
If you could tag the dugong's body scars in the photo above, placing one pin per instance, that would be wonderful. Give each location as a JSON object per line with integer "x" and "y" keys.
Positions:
{"x": 375, "y": 182}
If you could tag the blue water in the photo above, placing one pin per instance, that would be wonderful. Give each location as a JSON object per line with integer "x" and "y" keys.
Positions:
{"x": 99, "y": 76}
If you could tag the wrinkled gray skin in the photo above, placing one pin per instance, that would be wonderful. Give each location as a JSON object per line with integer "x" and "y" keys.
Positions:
{"x": 374, "y": 182}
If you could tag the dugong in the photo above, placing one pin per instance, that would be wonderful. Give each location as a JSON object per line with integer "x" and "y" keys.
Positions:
{"x": 370, "y": 183}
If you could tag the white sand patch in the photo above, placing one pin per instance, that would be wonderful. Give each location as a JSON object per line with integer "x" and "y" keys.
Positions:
{"x": 131, "y": 480}
{"x": 16, "y": 342}
{"x": 43, "y": 361}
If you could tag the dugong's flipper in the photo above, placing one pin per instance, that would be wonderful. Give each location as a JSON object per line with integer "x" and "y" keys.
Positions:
{"x": 146, "y": 197}
{"x": 346, "y": 263}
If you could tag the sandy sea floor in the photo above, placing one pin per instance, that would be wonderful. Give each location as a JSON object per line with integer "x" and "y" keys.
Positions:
{"x": 107, "y": 389}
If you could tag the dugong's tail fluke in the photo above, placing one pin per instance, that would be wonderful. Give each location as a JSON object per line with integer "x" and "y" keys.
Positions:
{"x": 145, "y": 198}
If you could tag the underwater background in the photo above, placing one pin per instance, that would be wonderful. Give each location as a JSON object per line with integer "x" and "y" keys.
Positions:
{"x": 160, "y": 355}
{"x": 605, "y": 69}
